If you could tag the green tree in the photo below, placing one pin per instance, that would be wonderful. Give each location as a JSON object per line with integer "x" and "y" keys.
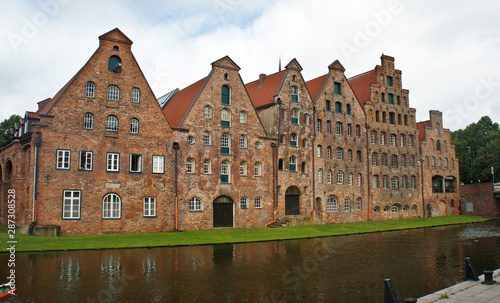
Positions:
{"x": 476, "y": 148}
{"x": 6, "y": 126}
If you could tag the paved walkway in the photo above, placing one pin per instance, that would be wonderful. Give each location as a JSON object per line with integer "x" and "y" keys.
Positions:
{"x": 468, "y": 291}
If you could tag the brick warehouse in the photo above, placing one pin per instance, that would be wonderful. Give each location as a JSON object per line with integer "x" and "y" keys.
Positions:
{"x": 104, "y": 155}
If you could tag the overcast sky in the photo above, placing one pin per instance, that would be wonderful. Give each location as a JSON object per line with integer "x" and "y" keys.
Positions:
{"x": 448, "y": 51}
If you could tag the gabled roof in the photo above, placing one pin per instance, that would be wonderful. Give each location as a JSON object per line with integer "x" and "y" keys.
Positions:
{"x": 115, "y": 35}
{"x": 51, "y": 102}
{"x": 177, "y": 108}
{"x": 361, "y": 86}
{"x": 421, "y": 127}
{"x": 315, "y": 86}
{"x": 263, "y": 92}
{"x": 294, "y": 64}
{"x": 227, "y": 63}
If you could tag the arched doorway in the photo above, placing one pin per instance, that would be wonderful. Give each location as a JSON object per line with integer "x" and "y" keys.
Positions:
{"x": 292, "y": 201}
{"x": 223, "y": 210}
{"x": 442, "y": 208}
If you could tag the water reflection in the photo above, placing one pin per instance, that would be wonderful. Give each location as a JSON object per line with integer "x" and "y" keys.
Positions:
{"x": 336, "y": 269}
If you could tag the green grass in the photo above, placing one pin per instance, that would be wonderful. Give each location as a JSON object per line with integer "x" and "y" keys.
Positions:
{"x": 108, "y": 241}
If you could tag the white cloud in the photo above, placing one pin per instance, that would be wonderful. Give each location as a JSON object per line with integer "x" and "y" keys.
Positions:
{"x": 443, "y": 48}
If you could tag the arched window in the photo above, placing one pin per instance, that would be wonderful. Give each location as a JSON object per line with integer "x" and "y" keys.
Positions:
{"x": 195, "y": 204}
{"x": 438, "y": 144}
{"x": 134, "y": 126}
{"x": 376, "y": 210}
{"x": 224, "y": 172}
{"x": 412, "y": 161}
{"x": 295, "y": 93}
{"x": 327, "y": 105}
{"x": 439, "y": 162}
{"x": 257, "y": 169}
{"x": 338, "y": 107}
{"x": 395, "y": 182}
{"x": 281, "y": 164}
{"x": 394, "y": 161}
{"x": 136, "y": 95}
{"x": 207, "y": 138}
{"x": 113, "y": 93}
{"x": 410, "y": 140}
{"x": 375, "y": 181}
{"x": 282, "y": 139}
{"x": 445, "y": 162}
{"x": 359, "y": 180}
{"x": 207, "y": 112}
{"x": 115, "y": 64}
{"x": 358, "y": 203}
{"x": 111, "y": 124}
{"x": 349, "y": 155}
{"x": 111, "y": 206}
{"x": 382, "y": 138}
{"x": 305, "y": 143}
{"x": 304, "y": 167}
{"x": 373, "y": 137}
{"x": 348, "y": 109}
{"x": 329, "y": 176}
{"x": 402, "y": 140}
{"x": 320, "y": 175}
{"x": 349, "y": 179}
{"x": 225, "y": 95}
{"x": 88, "y": 121}
{"x": 306, "y": 119}
{"x": 385, "y": 182}
{"x": 358, "y": 156}
{"x": 328, "y": 126}
{"x": 358, "y": 131}
{"x": 347, "y": 204}
{"x": 295, "y": 116}
{"x": 329, "y": 152}
{"x": 413, "y": 182}
{"x": 243, "y": 117}
{"x": 339, "y": 128}
{"x": 394, "y": 209}
{"x": 340, "y": 153}
{"x": 331, "y": 204}
{"x": 293, "y": 140}
{"x": 293, "y": 164}
{"x": 243, "y": 168}
{"x": 225, "y": 144}
{"x": 225, "y": 118}
{"x": 243, "y": 202}
{"x": 90, "y": 90}
{"x": 433, "y": 162}
{"x": 403, "y": 161}
{"x": 404, "y": 182}
{"x": 243, "y": 141}
{"x": 190, "y": 166}
{"x": 349, "y": 129}
{"x": 340, "y": 177}
{"x": 207, "y": 167}
{"x": 374, "y": 159}
{"x": 318, "y": 125}
{"x": 383, "y": 160}
{"x": 392, "y": 139}
{"x": 318, "y": 151}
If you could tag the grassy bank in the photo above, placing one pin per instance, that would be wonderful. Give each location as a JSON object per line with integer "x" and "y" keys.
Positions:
{"x": 34, "y": 243}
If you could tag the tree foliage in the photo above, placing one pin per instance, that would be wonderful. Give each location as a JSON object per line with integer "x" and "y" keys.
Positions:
{"x": 5, "y": 127}
{"x": 478, "y": 149}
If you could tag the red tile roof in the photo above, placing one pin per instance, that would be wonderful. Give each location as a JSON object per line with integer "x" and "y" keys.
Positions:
{"x": 361, "y": 85}
{"x": 32, "y": 115}
{"x": 177, "y": 107}
{"x": 421, "y": 127}
{"x": 263, "y": 93}
{"x": 315, "y": 86}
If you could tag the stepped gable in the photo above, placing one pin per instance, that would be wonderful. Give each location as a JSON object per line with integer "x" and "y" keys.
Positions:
{"x": 361, "y": 85}
{"x": 178, "y": 107}
{"x": 421, "y": 128}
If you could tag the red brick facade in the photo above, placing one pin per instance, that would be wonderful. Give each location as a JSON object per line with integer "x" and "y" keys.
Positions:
{"x": 480, "y": 200}
{"x": 105, "y": 157}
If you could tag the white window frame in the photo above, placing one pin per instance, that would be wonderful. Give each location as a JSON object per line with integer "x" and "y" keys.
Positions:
{"x": 111, "y": 206}
{"x": 63, "y": 159}
{"x": 113, "y": 93}
{"x": 207, "y": 112}
{"x": 258, "y": 169}
{"x": 111, "y": 124}
{"x": 243, "y": 117}
{"x": 158, "y": 164}
{"x": 71, "y": 205}
{"x": 243, "y": 141}
{"x": 207, "y": 138}
{"x": 243, "y": 202}
{"x": 87, "y": 163}
{"x": 149, "y": 207}
{"x": 195, "y": 204}
{"x": 113, "y": 162}
{"x": 190, "y": 166}
{"x": 258, "y": 202}
{"x": 340, "y": 177}
{"x": 135, "y": 95}
{"x": 88, "y": 121}
{"x": 134, "y": 126}
{"x": 331, "y": 204}
{"x": 207, "y": 167}
{"x": 135, "y": 160}
{"x": 243, "y": 168}
{"x": 90, "y": 90}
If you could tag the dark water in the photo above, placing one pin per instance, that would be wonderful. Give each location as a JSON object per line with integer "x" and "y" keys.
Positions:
{"x": 336, "y": 269}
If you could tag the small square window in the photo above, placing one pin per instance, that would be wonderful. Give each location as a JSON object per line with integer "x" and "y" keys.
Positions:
{"x": 85, "y": 160}
{"x": 150, "y": 207}
{"x": 158, "y": 164}
{"x": 113, "y": 162}
{"x": 63, "y": 159}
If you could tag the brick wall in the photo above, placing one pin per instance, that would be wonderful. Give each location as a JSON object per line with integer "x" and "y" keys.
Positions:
{"x": 484, "y": 201}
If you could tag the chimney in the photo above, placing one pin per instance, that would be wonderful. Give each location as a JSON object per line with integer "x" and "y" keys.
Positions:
{"x": 262, "y": 77}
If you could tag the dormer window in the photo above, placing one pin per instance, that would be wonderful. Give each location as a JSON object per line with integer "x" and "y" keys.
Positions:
{"x": 115, "y": 64}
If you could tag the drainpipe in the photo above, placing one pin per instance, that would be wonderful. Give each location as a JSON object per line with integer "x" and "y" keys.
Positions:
{"x": 38, "y": 142}
{"x": 278, "y": 100}
{"x": 273, "y": 146}
{"x": 175, "y": 146}
{"x": 368, "y": 179}
{"x": 422, "y": 184}
{"x": 313, "y": 146}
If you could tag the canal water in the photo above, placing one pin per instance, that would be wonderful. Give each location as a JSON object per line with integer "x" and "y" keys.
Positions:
{"x": 333, "y": 269}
